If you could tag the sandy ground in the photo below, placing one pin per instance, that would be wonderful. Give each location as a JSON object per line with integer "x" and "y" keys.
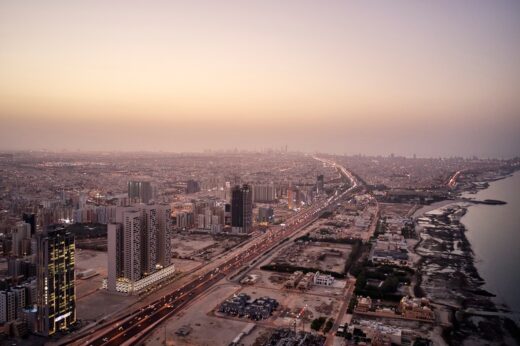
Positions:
{"x": 201, "y": 246}
{"x": 291, "y": 303}
{"x": 398, "y": 209}
{"x": 92, "y": 302}
{"x": 101, "y": 304}
{"x": 276, "y": 281}
{"x": 307, "y": 255}
{"x": 183, "y": 266}
{"x": 210, "y": 329}
{"x": 89, "y": 259}
{"x": 206, "y": 329}
{"x": 188, "y": 245}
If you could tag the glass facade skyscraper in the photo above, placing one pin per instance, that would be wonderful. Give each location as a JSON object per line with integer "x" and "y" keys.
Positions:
{"x": 242, "y": 209}
{"x": 56, "y": 300}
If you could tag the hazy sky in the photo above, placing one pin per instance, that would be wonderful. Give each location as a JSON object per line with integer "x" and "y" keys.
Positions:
{"x": 424, "y": 77}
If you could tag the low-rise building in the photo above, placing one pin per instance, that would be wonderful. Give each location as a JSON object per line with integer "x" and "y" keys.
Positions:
{"x": 261, "y": 308}
{"x": 375, "y": 332}
{"x": 390, "y": 248}
{"x": 293, "y": 280}
{"x": 241, "y": 305}
{"x": 323, "y": 279}
{"x": 364, "y": 304}
{"x": 306, "y": 282}
{"x": 416, "y": 308}
{"x": 235, "y": 305}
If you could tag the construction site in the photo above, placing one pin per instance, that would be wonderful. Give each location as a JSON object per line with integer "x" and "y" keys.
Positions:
{"x": 316, "y": 256}
{"x": 355, "y": 219}
{"x": 202, "y": 246}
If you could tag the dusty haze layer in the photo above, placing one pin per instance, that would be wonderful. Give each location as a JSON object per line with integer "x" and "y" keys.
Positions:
{"x": 370, "y": 77}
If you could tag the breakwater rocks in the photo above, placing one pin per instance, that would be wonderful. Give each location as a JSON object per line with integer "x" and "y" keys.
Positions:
{"x": 490, "y": 202}
{"x": 486, "y": 201}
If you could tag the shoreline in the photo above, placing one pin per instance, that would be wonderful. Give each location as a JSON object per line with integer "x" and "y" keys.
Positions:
{"x": 447, "y": 274}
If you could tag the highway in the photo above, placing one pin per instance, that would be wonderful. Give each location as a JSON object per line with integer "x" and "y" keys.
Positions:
{"x": 135, "y": 327}
{"x": 452, "y": 182}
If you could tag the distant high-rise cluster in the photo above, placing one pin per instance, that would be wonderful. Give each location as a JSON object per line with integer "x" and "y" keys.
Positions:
{"x": 209, "y": 215}
{"x": 264, "y": 193}
{"x": 192, "y": 186}
{"x": 184, "y": 220}
{"x": 140, "y": 191}
{"x": 241, "y": 209}
{"x": 139, "y": 247}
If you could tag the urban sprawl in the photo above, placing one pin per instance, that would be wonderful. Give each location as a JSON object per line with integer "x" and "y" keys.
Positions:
{"x": 243, "y": 248}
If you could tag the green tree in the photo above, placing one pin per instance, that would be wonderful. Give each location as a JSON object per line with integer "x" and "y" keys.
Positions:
{"x": 328, "y": 325}
{"x": 317, "y": 323}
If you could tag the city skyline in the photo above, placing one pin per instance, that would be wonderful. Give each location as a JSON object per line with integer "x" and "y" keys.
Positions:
{"x": 158, "y": 248}
{"x": 372, "y": 78}
{"x": 259, "y": 172}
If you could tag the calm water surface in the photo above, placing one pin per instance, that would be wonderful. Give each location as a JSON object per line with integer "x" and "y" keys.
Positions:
{"x": 494, "y": 234}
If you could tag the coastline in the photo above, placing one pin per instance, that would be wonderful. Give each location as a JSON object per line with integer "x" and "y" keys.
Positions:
{"x": 447, "y": 274}
{"x": 488, "y": 243}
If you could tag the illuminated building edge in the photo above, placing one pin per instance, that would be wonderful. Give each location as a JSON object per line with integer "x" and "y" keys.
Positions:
{"x": 135, "y": 287}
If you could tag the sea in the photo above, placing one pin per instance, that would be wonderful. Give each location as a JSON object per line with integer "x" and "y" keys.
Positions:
{"x": 494, "y": 234}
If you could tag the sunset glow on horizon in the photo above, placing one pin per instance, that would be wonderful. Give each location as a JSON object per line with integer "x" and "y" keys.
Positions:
{"x": 334, "y": 76}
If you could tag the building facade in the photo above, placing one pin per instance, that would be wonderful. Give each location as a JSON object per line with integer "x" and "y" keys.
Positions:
{"x": 56, "y": 294}
{"x": 7, "y": 306}
{"x": 192, "y": 186}
{"x": 21, "y": 235}
{"x": 241, "y": 209}
{"x": 139, "y": 247}
{"x": 323, "y": 279}
{"x": 264, "y": 193}
{"x": 141, "y": 191}
{"x": 164, "y": 235}
{"x": 30, "y": 218}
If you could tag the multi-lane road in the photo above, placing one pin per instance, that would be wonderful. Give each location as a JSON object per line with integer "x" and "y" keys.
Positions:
{"x": 141, "y": 321}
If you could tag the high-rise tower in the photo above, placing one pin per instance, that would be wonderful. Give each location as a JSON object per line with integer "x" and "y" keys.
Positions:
{"x": 30, "y": 218}
{"x": 320, "y": 183}
{"x": 242, "y": 209}
{"x": 149, "y": 230}
{"x": 164, "y": 235}
{"x": 139, "y": 247}
{"x": 56, "y": 295}
{"x": 141, "y": 191}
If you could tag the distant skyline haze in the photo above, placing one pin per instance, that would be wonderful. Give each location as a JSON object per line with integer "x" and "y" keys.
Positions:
{"x": 373, "y": 77}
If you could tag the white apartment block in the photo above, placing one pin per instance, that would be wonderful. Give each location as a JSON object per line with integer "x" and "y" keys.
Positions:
{"x": 323, "y": 279}
{"x": 139, "y": 247}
